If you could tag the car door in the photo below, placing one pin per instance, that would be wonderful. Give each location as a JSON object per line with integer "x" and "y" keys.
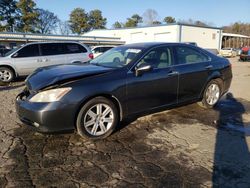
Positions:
{"x": 52, "y": 54}
{"x": 193, "y": 68}
{"x": 26, "y": 60}
{"x": 76, "y": 53}
{"x": 155, "y": 88}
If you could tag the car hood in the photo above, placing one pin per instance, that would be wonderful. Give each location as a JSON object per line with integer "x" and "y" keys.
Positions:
{"x": 3, "y": 59}
{"x": 53, "y": 75}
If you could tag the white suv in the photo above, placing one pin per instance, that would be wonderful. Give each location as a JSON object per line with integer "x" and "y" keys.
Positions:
{"x": 24, "y": 60}
{"x": 98, "y": 50}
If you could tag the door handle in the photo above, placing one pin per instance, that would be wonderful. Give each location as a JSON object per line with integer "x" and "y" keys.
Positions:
{"x": 172, "y": 73}
{"x": 45, "y": 60}
{"x": 209, "y": 67}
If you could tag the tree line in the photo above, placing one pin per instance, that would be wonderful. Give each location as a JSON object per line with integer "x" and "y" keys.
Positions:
{"x": 25, "y": 16}
{"x": 238, "y": 28}
{"x": 150, "y": 17}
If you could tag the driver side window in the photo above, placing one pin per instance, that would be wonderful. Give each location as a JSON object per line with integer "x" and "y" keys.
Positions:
{"x": 31, "y": 50}
{"x": 158, "y": 58}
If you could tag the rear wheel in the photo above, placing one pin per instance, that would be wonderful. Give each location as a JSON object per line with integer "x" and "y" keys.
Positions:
{"x": 6, "y": 74}
{"x": 97, "y": 119}
{"x": 211, "y": 94}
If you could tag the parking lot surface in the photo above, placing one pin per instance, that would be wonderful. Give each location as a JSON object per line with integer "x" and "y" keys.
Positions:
{"x": 184, "y": 147}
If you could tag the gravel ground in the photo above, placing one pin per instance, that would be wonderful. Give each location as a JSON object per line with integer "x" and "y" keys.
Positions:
{"x": 184, "y": 147}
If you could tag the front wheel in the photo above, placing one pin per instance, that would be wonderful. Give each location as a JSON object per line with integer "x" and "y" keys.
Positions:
{"x": 97, "y": 119}
{"x": 6, "y": 74}
{"x": 211, "y": 94}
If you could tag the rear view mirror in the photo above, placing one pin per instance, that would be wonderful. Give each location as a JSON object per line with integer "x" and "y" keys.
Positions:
{"x": 142, "y": 69}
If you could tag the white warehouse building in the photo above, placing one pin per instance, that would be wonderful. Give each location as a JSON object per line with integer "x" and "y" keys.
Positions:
{"x": 205, "y": 37}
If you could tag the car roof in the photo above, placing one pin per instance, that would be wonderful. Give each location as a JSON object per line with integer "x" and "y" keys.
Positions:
{"x": 52, "y": 42}
{"x": 153, "y": 44}
{"x": 103, "y": 46}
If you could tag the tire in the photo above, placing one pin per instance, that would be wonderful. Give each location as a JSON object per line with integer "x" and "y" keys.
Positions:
{"x": 211, "y": 94}
{"x": 6, "y": 75}
{"x": 94, "y": 125}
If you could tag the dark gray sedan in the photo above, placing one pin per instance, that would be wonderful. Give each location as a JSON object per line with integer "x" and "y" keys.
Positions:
{"x": 126, "y": 81}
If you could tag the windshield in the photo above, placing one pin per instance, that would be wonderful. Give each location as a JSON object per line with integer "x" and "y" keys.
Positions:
{"x": 117, "y": 57}
{"x": 12, "y": 51}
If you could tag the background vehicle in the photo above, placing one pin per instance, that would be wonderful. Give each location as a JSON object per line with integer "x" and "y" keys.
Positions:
{"x": 3, "y": 50}
{"x": 98, "y": 50}
{"x": 191, "y": 43}
{"x": 238, "y": 51}
{"x": 245, "y": 54}
{"x": 228, "y": 52}
{"x": 126, "y": 81}
{"x": 213, "y": 51}
{"x": 24, "y": 60}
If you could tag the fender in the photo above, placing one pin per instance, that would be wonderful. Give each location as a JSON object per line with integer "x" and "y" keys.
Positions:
{"x": 108, "y": 96}
{"x": 11, "y": 67}
{"x": 214, "y": 75}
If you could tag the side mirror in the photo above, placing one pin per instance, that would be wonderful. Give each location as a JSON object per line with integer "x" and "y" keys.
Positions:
{"x": 15, "y": 55}
{"x": 142, "y": 69}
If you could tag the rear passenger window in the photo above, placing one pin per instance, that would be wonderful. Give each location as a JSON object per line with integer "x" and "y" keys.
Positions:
{"x": 97, "y": 50}
{"x": 75, "y": 48}
{"x": 52, "y": 49}
{"x": 28, "y": 51}
{"x": 106, "y": 49}
{"x": 186, "y": 55}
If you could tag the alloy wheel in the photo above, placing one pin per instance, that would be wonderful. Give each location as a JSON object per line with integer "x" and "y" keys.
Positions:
{"x": 212, "y": 94}
{"x": 5, "y": 75}
{"x": 98, "y": 119}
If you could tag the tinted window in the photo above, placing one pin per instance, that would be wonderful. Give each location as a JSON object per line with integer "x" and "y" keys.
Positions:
{"x": 106, "y": 48}
{"x": 158, "y": 58}
{"x": 186, "y": 55}
{"x": 52, "y": 49}
{"x": 73, "y": 48}
{"x": 28, "y": 51}
{"x": 102, "y": 49}
{"x": 97, "y": 50}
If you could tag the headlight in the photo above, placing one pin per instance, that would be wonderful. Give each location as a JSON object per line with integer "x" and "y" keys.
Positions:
{"x": 51, "y": 95}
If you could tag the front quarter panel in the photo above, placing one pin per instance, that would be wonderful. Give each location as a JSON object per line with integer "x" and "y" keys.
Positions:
{"x": 7, "y": 61}
{"x": 111, "y": 84}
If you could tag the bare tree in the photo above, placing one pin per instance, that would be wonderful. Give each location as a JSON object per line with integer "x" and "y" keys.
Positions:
{"x": 150, "y": 16}
{"x": 64, "y": 28}
{"x": 238, "y": 27}
{"x": 47, "y": 21}
{"x": 196, "y": 22}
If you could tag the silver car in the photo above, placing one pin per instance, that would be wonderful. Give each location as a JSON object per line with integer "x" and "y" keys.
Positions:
{"x": 24, "y": 60}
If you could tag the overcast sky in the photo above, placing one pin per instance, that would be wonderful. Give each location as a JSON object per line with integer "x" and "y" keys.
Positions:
{"x": 218, "y": 12}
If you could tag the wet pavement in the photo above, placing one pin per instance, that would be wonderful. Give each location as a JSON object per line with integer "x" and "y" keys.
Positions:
{"x": 185, "y": 147}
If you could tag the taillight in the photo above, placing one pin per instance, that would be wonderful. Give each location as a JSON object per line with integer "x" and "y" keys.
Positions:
{"x": 91, "y": 56}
